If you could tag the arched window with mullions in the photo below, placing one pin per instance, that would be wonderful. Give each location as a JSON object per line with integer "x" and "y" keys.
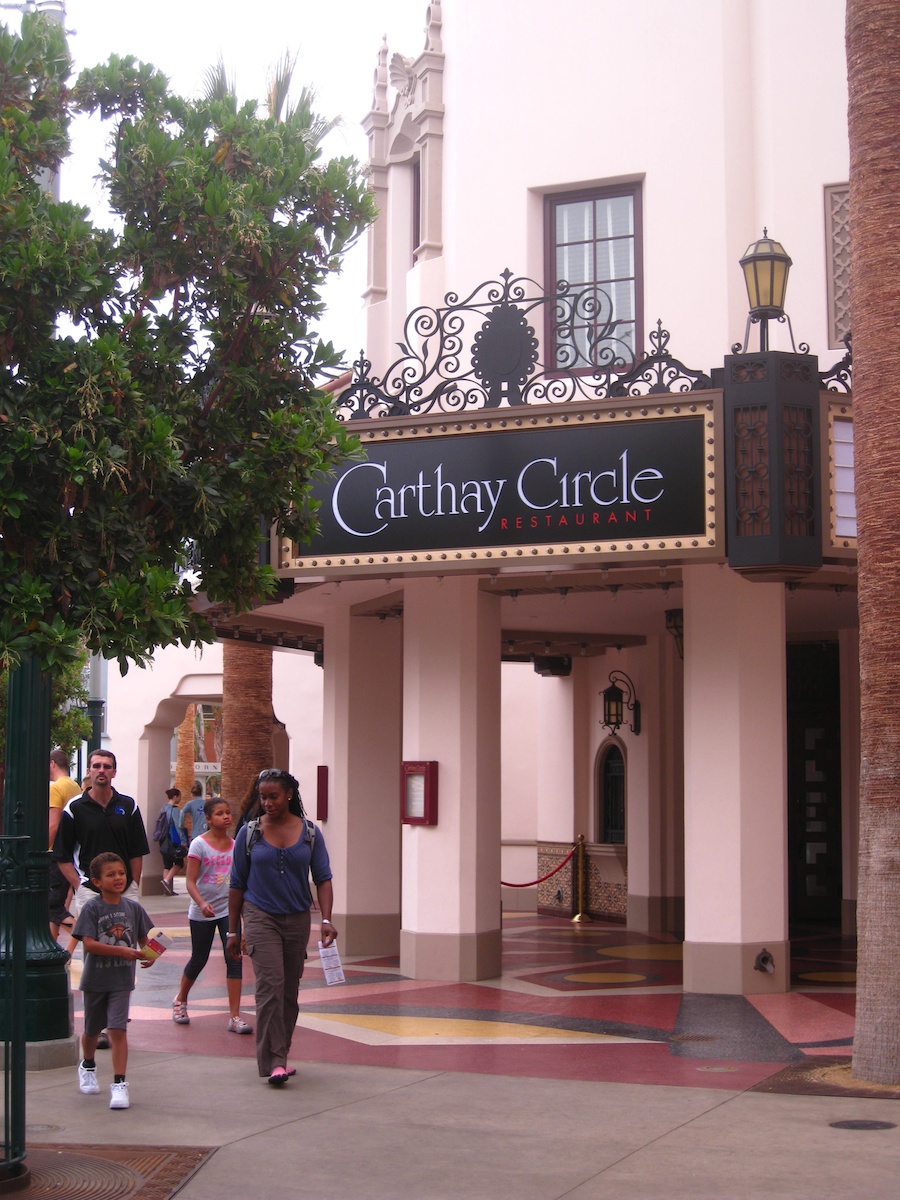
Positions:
{"x": 611, "y": 795}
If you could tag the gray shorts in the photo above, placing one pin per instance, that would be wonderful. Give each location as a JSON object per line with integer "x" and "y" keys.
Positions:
{"x": 105, "y": 1010}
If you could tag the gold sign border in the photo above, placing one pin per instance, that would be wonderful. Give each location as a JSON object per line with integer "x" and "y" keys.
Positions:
{"x": 563, "y": 554}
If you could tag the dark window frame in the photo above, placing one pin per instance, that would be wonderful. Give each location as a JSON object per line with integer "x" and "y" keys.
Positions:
{"x": 612, "y": 829}
{"x": 552, "y": 201}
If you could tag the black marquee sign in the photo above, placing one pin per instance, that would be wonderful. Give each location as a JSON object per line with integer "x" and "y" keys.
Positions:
{"x": 581, "y": 484}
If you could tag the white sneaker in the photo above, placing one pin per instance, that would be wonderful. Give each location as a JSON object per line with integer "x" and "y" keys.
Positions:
{"x": 118, "y": 1095}
{"x": 87, "y": 1080}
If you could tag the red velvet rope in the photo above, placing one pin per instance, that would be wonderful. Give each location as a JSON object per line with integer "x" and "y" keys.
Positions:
{"x": 543, "y": 878}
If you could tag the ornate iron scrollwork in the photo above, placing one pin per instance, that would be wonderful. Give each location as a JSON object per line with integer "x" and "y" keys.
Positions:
{"x": 840, "y": 377}
{"x": 657, "y": 373}
{"x": 482, "y": 352}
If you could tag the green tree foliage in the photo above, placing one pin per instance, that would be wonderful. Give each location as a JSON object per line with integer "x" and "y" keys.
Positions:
{"x": 181, "y": 409}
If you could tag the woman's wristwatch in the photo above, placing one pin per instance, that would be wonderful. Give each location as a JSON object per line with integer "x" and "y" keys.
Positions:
{"x": 228, "y": 935}
{"x": 325, "y": 921}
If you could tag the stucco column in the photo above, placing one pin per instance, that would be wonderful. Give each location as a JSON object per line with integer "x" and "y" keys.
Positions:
{"x": 735, "y": 783}
{"x": 361, "y": 736}
{"x": 655, "y": 775}
{"x": 556, "y": 768}
{"x": 451, "y": 714}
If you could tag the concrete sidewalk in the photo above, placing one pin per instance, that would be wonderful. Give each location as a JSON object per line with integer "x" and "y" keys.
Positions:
{"x": 376, "y": 1133}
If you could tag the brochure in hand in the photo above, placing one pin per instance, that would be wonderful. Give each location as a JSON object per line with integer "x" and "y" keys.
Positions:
{"x": 157, "y": 944}
{"x": 331, "y": 964}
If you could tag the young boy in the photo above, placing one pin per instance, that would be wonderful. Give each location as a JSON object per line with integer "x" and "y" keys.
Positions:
{"x": 113, "y": 929}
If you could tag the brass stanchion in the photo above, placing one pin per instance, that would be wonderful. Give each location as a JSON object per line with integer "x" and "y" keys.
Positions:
{"x": 581, "y": 916}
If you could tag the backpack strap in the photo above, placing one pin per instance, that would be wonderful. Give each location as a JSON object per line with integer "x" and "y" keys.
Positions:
{"x": 254, "y": 833}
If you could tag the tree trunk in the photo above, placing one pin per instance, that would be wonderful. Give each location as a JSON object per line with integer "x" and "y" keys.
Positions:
{"x": 873, "y": 66}
{"x": 247, "y": 717}
{"x": 184, "y": 756}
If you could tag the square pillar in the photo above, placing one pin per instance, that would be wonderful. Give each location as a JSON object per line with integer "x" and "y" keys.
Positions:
{"x": 362, "y": 751}
{"x": 451, "y": 715}
{"x": 655, "y": 774}
{"x": 736, "y": 877}
{"x": 563, "y": 749}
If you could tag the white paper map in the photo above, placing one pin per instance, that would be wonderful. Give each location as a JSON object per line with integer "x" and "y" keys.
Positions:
{"x": 331, "y": 964}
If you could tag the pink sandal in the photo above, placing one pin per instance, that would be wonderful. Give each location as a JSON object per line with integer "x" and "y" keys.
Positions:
{"x": 278, "y": 1077}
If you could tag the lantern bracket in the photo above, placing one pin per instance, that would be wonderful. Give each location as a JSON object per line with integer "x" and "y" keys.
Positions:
{"x": 616, "y": 701}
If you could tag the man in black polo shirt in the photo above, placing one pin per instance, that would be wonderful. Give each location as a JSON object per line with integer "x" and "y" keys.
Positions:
{"x": 99, "y": 820}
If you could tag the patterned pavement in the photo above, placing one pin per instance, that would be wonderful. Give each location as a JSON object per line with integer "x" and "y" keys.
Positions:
{"x": 577, "y": 1002}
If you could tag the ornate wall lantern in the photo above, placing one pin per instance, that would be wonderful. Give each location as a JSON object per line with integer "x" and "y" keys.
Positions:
{"x": 615, "y": 702}
{"x": 766, "y": 266}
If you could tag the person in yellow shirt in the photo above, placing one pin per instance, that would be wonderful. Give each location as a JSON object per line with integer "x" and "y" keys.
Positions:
{"x": 62, "y": 789}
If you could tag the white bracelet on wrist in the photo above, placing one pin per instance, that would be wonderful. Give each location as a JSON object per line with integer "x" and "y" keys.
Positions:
{"x": 325, "y": 921}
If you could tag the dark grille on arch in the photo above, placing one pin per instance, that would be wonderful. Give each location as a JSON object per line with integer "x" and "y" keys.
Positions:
{"x": 481, "y": 351}
{"x": 799, "y": 468}
{"x": 751, "y": 459}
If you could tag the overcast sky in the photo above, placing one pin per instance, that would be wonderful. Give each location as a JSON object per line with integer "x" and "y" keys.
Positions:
{"x": 337, "y": 44}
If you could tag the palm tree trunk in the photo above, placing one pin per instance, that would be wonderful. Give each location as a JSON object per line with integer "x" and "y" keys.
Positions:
{"x": 873, "y": 65}
{"x": 247, "y": 717}
{"x": 184, "y": 755}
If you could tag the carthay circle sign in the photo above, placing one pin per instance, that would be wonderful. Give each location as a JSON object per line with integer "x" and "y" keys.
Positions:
{"x": 633, "y": 480}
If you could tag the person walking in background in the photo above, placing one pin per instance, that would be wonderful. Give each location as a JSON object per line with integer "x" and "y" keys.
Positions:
{"x": 62, "y": 790}
{"x": 209, "y": 862}
{"x": 98, "y": 821}
{"x": 273, "y": 858}
{"x": 193, "y": 817}
{"x": 114, "y": 931}
{"x": 173, "y": 846}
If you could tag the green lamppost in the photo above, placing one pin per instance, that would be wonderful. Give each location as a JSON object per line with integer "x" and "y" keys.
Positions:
{"x": 48, "y": 1013}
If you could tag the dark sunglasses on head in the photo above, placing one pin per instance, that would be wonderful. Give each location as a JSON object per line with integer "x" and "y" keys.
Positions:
{"x": 272, "y": 773}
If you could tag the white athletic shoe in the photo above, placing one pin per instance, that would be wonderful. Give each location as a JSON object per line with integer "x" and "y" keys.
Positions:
{"x": 118, "y": 1095}
{"x": 87, "y": 1080}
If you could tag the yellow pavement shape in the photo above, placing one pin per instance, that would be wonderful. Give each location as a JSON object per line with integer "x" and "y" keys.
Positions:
{"x": 384, "y": 1030}
{"x": 657, "y": 951}
{"x": 604, "y": 977}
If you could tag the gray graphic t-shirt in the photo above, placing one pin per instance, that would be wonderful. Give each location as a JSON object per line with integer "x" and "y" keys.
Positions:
{"x": 121, "y": 924}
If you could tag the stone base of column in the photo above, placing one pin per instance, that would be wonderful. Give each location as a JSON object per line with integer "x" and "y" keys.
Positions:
{"x": 457, "y": 958}
{"x": 519, "y": 899}
{"x": 656, "y": 914}
{"x": 368, "y": 934}
{"x": 728, "y": 968}
{"x": 48, "y": 1056}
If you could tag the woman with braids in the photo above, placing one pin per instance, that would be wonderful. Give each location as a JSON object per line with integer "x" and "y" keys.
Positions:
{"x": 274, "y": 855}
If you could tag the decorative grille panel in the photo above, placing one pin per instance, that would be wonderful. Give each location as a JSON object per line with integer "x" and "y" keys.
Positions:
{"x": 751, "y": 457}
{"x": 799, "y": 504}
{"x": 837, "y": 225}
